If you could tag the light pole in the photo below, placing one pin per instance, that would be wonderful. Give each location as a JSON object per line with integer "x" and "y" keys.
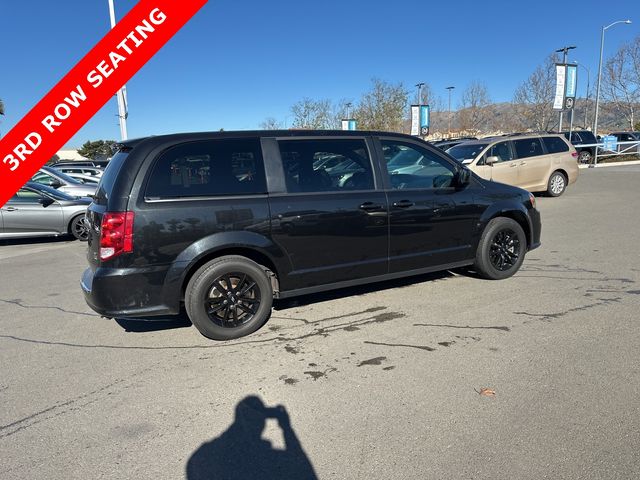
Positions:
{"x": 420, "y": 85}
{"x": 348, "y": 106}
{"x": 450, "y": 88}
{"x": 586, "y": 105}
{"x": 595, "y": 117}
{"x": 564, "y": 51}
{"x": 122, "y": 101}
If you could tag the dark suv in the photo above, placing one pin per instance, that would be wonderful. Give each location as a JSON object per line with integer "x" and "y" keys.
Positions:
{"x": 579, "y": 138}
{"x": 226, "y": 222}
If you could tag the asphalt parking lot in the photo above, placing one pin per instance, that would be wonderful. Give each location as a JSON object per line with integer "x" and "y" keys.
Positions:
{"x": 376, "y": 382}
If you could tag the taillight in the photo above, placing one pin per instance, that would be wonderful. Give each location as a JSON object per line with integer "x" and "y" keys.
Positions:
{"x": 574, "y": 154}
{"x": 532, "y": 199}
{"x": 116, "y": 234}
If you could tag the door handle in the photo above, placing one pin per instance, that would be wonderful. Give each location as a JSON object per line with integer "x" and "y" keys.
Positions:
{"x": 523, "y": 163}
{"x": 11, "y": 209}
{"x": 403, "y": 204}
{"x": 370, "y": 206}
{"x": 513, "y": 165}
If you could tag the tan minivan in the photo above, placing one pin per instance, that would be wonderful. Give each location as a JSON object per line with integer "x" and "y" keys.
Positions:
{"x": 538, "y": 163}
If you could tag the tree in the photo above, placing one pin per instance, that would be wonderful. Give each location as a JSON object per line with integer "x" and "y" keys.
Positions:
{"x": 533, "y": 99}
{"x": 312, "y": 114}
{"x": 270, "y": 123}
{"x": 621, "y": 82}
{"x": 383, "y": 107}
{"x": 1, "y": 108}
{"x": 475, "y": 110}
{"x": 53, "y": 160}
{"x": 97, "y": 150}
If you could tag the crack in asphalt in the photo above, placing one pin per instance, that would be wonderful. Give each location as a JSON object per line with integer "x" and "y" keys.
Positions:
{"x": 504, "y": 329}
{"x": 28, "y": 307}
{"x": 420, "y": 347}
{"x": 582, "y": 308}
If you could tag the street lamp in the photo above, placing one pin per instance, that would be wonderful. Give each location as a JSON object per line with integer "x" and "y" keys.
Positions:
{"x": 586, "y": 105}
{"x": 122, "y": 101}
{"x": 420, "y": 85}
{"x": 595, "y": 117}
{"x": 450, "y": 88}
{"x": 348, "y": 107}
{"x": 564, "y": 51}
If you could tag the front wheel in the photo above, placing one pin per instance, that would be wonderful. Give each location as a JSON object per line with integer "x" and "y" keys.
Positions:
{"x": 229, "y": 297}
{"x": 79, "y": 229}
{"x": 501, "y": 249}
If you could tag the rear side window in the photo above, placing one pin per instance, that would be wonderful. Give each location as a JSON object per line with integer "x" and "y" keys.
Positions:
{"x": 326, "y": 165}
{"x": 108, "y": 178}
{"x": 555, "y": 145}
{"x": 528, "y": 147}
{"x": 208, "y": 168}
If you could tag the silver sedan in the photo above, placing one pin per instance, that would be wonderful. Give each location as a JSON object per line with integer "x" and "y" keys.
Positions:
{"x": 37, "y": 211}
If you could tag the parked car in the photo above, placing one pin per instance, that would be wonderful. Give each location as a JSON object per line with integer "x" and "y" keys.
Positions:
{"x": 38, "y": 211}
{"x": 82, "y": 163}
{"x": 446, "y": 144}
{"x": 627, "y": 137}
{"x": 60, "y": 181}
{"x": 579, "y": 138}
{"x": 86, "y": 179}
{"x": 92, "y": 171}
{"x": 538, "y": 163}
{"x": 227, "y": 242}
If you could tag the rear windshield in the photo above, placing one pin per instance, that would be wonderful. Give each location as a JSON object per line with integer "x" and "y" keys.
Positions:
{"x": 109, "y": 176}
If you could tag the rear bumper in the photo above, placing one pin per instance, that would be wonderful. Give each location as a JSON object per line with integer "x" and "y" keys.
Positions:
{"x": 125, "y": 292}
{"x": 536, "y": 228}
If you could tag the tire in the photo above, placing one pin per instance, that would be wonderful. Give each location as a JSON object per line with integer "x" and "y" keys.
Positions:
{"x": 584, "y": 156}
{"x": 78, "y": 228}
{"x": 557, "y": 184}
{"x": 501, "y": 250}
{"x": 233, "y": 312}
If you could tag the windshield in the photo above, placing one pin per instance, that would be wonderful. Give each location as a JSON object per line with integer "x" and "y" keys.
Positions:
{"x": 52, "y": 192}
{"x": 466, "y": 151}
{"x": 405, "y": 158}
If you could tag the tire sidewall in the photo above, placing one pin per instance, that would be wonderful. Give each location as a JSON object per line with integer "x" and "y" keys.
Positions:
{"x": 483, "y": 262}
{"x": 584, "y": 156}
{"x": 200, "y": 284}
{"x": 74, "y": 220}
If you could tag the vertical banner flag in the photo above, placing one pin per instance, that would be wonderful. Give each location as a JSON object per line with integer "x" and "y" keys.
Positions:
{"x": 558, "y": 102}
{"x": 348, "y": 124}
{"x": 415, "y": 120}
{"x": 571, "y": 81}
{"x": 87, "y": 87}
{"x": 425, "y": 119}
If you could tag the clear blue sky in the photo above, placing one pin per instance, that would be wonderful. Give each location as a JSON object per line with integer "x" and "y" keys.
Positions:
{"x": 237, "y": 62}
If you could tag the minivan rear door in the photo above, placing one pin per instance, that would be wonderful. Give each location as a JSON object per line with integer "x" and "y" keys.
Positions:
{"x": 328, "y": 214}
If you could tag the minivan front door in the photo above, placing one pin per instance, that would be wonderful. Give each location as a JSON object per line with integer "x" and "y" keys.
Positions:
{"x": 432, "y": 221}
{"x": 331, "y": 221}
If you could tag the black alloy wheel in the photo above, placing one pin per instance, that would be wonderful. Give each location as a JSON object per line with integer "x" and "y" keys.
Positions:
{"x": 229, "y": 297}
{"x": 79, "y": 228}
{"x": 233, "y": 300}
{"x": 505, "y": 250}
{"x": 501, "y": 249}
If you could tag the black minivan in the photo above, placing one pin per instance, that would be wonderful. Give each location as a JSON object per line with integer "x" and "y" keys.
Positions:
{"x": 226, "y": 222}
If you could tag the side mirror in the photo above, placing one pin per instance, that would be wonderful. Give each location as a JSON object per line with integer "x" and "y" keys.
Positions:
{"x": 463, "y": 177}
{"x": 55, "y": 183}
{"x": 491, "y": 160}
{"x": 45, "y": 201}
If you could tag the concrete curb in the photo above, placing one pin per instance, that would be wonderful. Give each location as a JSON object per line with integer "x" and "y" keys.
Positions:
{"x": 616, "y": 164}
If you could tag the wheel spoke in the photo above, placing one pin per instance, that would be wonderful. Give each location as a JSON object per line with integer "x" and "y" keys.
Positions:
{"x": 235, "y": 314}
{"x": 246, "y": 289}
{"x": 245, "y": 309}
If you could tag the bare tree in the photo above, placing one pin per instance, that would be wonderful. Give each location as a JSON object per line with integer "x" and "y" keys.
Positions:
{"x": 533, "y": 99}
{"x": 313, "y": 114}
{"x": 270, "y": 123}
{"x": 475, "y": 110}
{"x": 621, "y": 82}
{"x": 383, "y": 107}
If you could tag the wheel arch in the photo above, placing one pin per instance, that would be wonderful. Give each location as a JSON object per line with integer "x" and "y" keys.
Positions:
{"x": 513, "y": 212}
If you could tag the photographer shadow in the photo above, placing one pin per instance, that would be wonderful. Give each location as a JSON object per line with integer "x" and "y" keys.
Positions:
{"x": 241, "y": 453}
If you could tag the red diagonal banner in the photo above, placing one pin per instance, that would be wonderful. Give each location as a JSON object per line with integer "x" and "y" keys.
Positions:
{"x": 87, "y": 87}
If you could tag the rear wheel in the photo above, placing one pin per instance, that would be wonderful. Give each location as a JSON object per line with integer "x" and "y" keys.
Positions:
{"x": 229, "y": 297}
{"x": 584, "y": 156}
{"x": 78, "y": 228}
{"x": 557, "y": 184}
{"x": 501, "y": 249}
